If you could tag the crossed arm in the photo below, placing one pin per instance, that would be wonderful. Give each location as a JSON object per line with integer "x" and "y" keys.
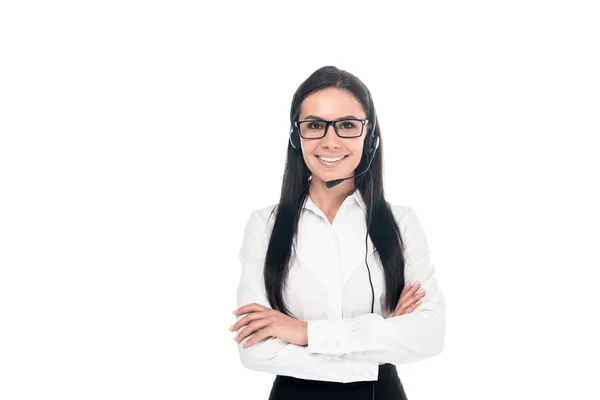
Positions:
{"x": 338, "y": 350}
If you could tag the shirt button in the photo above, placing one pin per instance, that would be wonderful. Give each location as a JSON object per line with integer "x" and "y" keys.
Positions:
{"x": 326, "y": 343}
{"x": 337, "y": 343}
{"x": 351, "y": 373}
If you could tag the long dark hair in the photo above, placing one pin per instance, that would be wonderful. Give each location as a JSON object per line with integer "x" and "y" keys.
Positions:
{"x": 384, "y": 231}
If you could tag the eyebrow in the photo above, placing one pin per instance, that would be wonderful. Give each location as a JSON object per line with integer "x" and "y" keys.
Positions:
{"x": 321, "y": 118}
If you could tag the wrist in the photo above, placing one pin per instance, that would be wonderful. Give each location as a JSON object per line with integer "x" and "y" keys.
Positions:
{"x": 304, "y": 333}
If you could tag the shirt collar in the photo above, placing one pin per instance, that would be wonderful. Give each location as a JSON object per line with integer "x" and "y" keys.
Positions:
{"x": 355, "y": 196}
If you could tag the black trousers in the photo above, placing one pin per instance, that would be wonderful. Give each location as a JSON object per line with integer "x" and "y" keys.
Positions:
{"x": 387, "y": 387}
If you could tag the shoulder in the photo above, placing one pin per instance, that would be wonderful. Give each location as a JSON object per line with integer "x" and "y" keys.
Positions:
{"x": 406, "y": 217}
{"x": 264, "y": 214}
{"x": 399, "y": 211}
{"x": 261, "y": 220}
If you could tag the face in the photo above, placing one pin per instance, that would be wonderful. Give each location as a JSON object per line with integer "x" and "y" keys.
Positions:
{"x": 332, "y": 104}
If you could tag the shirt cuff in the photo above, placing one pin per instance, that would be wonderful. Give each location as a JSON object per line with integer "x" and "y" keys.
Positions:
{"x": 326, "y": 337}
{"x": 361, "y": 370}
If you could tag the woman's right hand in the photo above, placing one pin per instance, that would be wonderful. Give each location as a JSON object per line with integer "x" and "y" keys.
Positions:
{"x": 410, "y": 299}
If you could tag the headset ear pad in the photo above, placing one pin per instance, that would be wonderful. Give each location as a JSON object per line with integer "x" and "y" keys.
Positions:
{"x": 295, "y": 139}
{"x": 372, "y": 142}
{"x": 376, "y": 145}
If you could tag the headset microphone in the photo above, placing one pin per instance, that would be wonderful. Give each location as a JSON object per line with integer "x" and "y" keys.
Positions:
{"x": 334, "y": 182}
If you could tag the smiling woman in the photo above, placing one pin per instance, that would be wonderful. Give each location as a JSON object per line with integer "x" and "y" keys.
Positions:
{"x": 314, "y": 264}
{"x": 342, "y": 149}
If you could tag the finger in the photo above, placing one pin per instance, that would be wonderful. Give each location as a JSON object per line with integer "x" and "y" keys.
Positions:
{"x": 250, "y": 308}
{"x": 414, "y": 287}
{"x": 415, "y": 297}
{"x": 407, "y": 292}
{"x": 404, "y": 293}
{"x": 411, "y": 300}
{"x": 251, "y": 328}
{"x": 258, "y": 336}
{"x": 413, "y": 307}
{"x": 419, "y": 295}
{"x": 247, "y": 319}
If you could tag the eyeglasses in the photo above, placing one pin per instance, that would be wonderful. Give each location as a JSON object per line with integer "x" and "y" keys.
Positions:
{"x": 344, "y": 128}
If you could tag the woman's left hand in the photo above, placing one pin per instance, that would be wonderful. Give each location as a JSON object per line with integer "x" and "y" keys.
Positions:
{"x": 268, "y": 322}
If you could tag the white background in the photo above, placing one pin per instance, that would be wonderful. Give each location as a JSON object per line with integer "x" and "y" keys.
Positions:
{"x": 137, "y": 137}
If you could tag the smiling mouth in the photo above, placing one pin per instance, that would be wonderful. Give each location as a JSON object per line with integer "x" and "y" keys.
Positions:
{"x": 331, "y": 159}
{"x": 334, "y": 161}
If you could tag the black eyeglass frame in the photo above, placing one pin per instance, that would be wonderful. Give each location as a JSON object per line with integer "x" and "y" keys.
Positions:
{"x": 335, "y": 128}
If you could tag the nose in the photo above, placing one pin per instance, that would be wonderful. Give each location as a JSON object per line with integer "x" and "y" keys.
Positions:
{"x": 331, "y": 139}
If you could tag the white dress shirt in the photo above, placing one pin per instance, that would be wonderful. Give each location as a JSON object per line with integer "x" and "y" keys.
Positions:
{"x": 328, "y": 286}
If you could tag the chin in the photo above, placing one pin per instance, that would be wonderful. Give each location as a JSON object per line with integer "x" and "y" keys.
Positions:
{"x": 332, "y": 174}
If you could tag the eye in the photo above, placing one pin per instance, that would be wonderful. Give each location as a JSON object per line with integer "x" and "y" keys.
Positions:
{"x": 315, "y": 125}
{"x": 347, "y": 125}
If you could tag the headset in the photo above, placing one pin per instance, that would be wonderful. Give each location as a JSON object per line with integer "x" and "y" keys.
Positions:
{"x": 369, "y": 149}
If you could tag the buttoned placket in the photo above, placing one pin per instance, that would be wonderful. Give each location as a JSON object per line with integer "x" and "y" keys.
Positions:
{"x": 335, "y": 306}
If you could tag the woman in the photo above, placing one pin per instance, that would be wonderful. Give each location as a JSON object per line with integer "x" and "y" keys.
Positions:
{"x": 311, "y": 272}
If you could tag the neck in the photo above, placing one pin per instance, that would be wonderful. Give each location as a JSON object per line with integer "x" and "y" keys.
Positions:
{"x": 330, "y": 199}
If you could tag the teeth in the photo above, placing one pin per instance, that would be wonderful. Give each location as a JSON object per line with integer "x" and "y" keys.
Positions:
{"x": 330, "y": 159}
